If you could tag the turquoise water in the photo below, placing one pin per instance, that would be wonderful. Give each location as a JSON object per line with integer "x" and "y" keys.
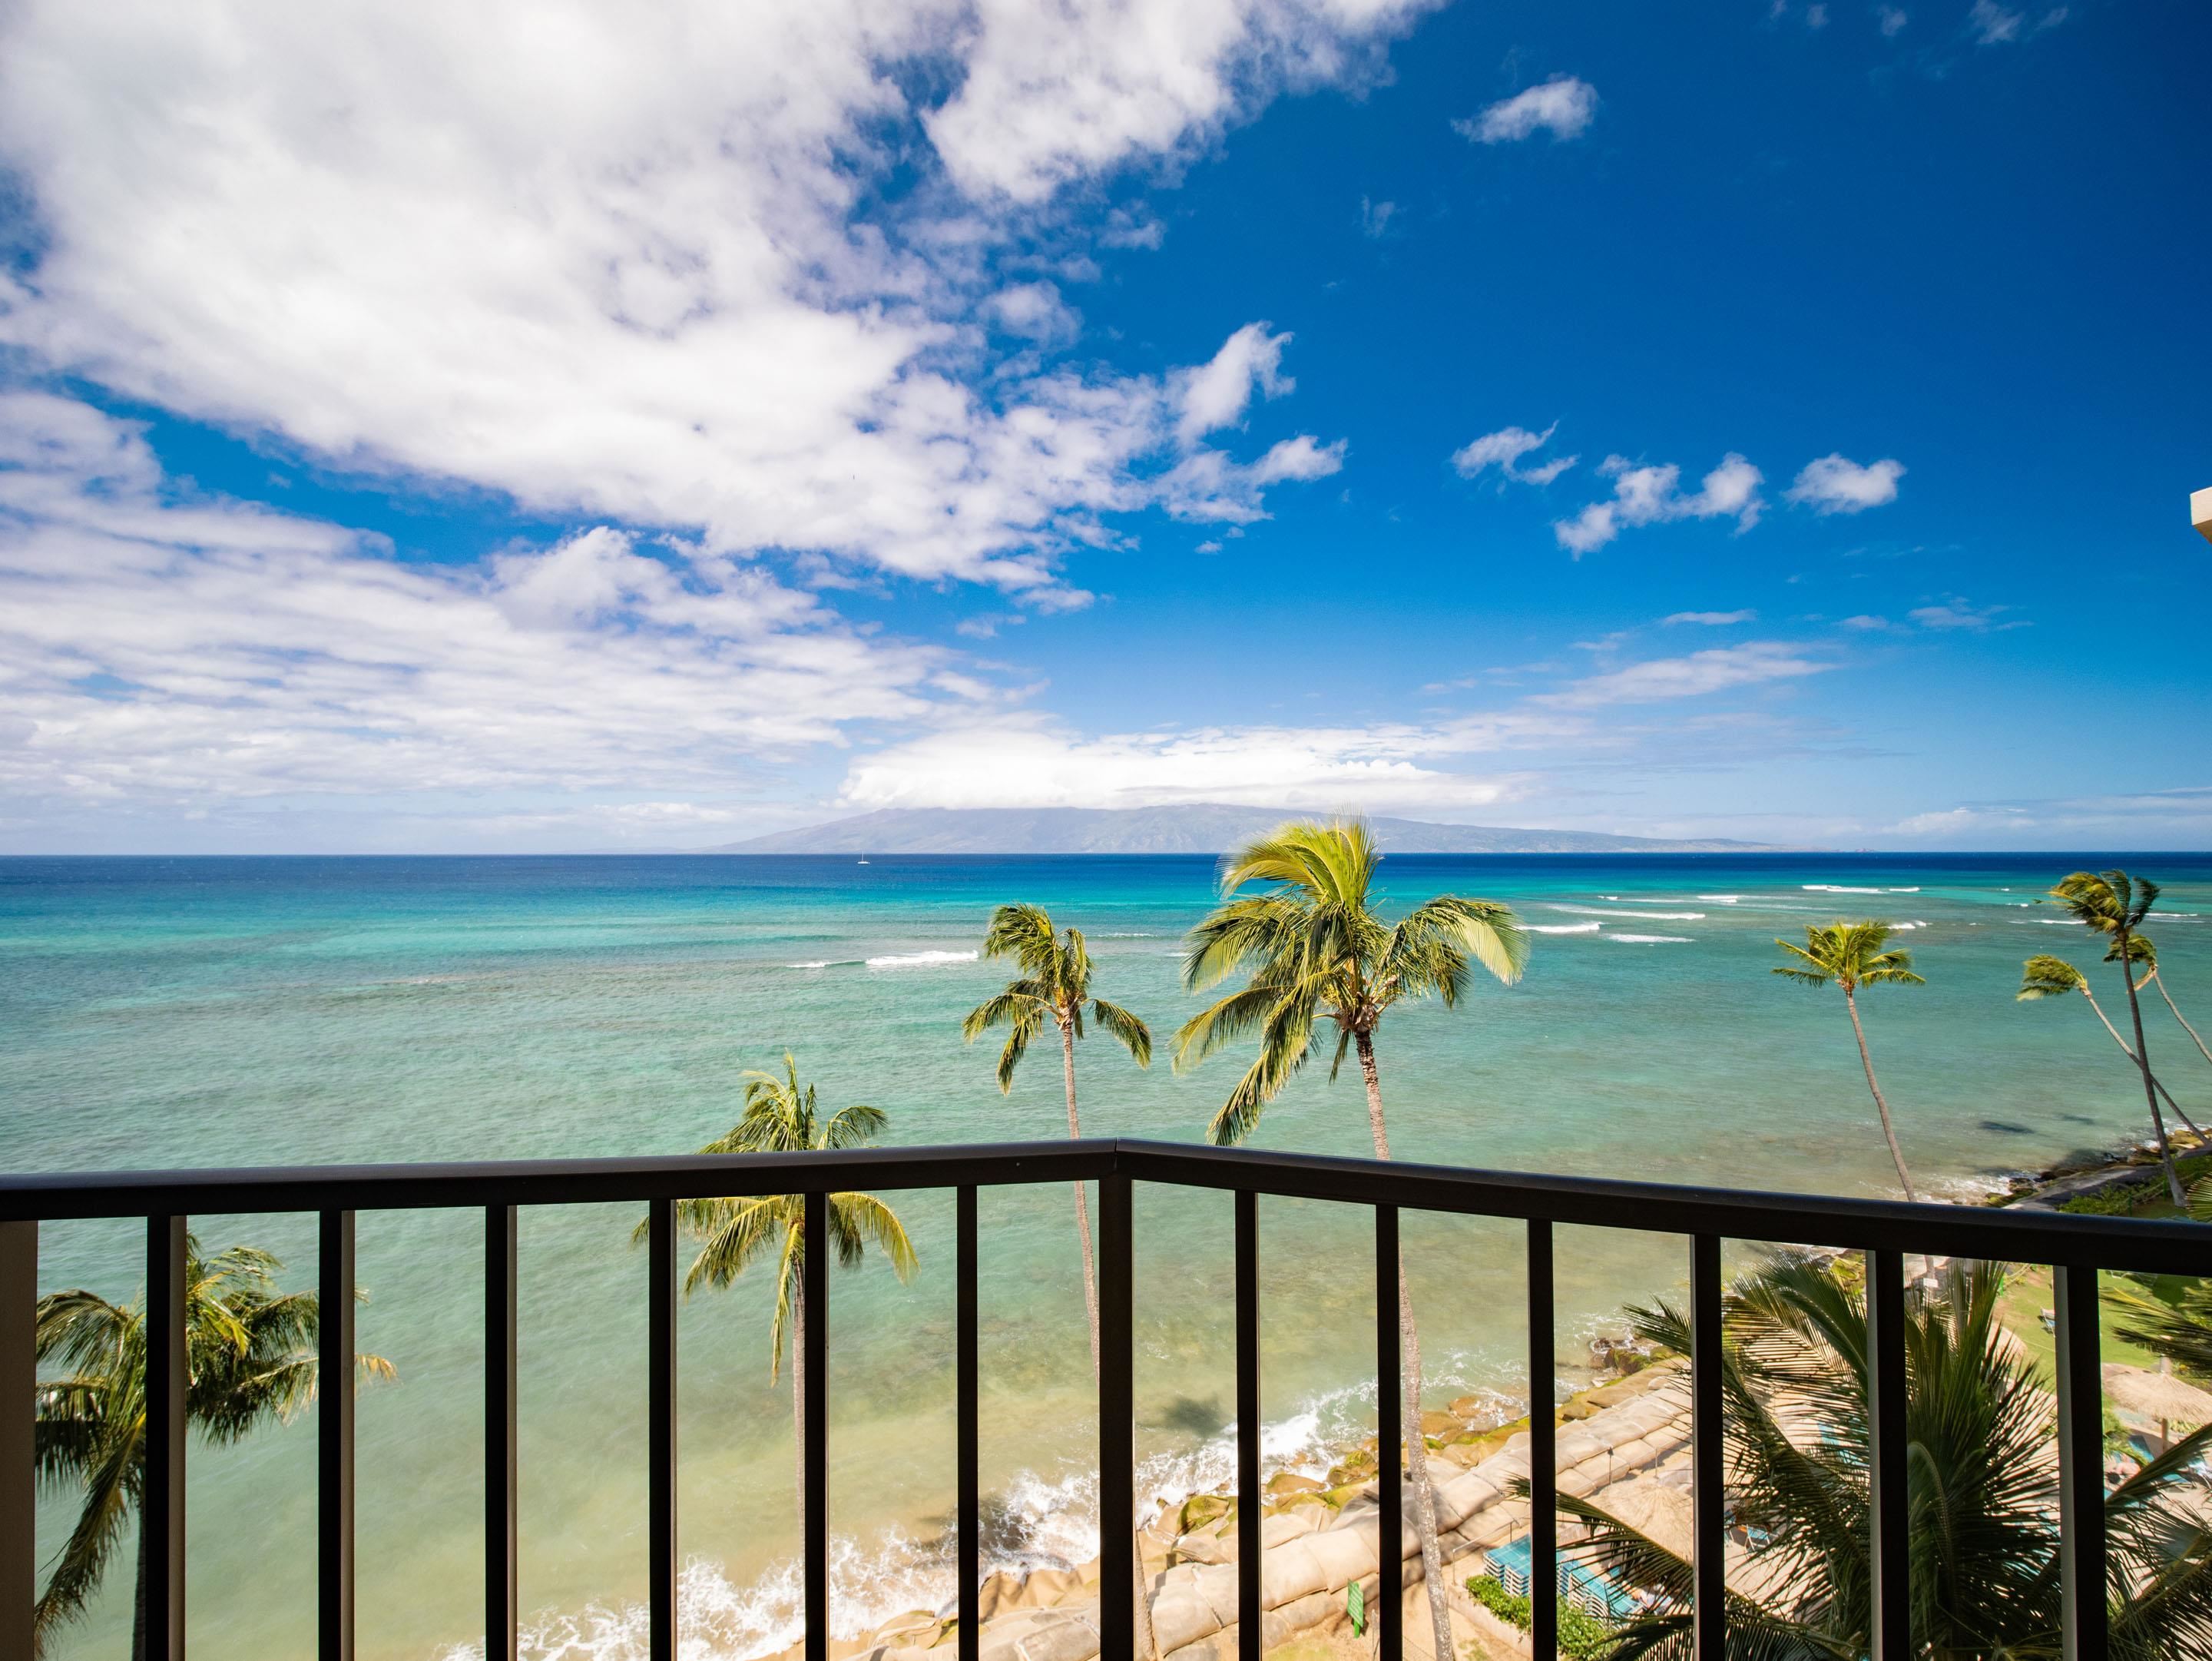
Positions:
{"x": 229, "y": 1012}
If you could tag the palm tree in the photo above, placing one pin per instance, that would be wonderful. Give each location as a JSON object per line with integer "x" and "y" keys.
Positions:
{"x": 2115, "y": 904}
{"x": 2046, "y": 976}
{"x": 1055, "y": 985}
{"x": 1982, "y": 1512}
{"x": 1316, "y": 950}
{"x": 249, "y": 1357}
{"x": 781, "y": 1117}
{"x": 1850, "y": 955}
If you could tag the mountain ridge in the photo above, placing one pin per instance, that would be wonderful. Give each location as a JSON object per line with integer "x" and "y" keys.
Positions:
{"x": 1186, "y": 828}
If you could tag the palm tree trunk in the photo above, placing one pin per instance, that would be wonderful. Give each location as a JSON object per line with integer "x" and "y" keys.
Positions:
{"x": 2131, "y": 1055}
{"x": 1147, "y": 1645}
{"x": 1416, "y": 1445}
{"x": 138, "y": 1595}
{"x": 2150, "y": 1091}
{"x": 1082, "y": 1199}
{"x": 2179, "y": 1016}
{"x": 799, "y": 1397}
{"x": 1888, "y": 1130}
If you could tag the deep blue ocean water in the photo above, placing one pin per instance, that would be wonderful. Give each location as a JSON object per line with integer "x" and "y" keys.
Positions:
{"x": 207, "y": 1012}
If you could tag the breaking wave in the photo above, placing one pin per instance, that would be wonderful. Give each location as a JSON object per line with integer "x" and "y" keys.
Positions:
{"x": 1652, "y": 939}
{"x": 920, "y": 960}
{"x": 1563, "y": 928}
{"x": 1640, "y": 917}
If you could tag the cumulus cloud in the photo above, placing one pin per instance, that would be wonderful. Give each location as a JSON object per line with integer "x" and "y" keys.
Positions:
{"x": 1218, "y": 394}
{"x": 1564, "y": 107}
{"x": 1836, "y": 484}
{"x": 164, "y": 652}
{"x": 1650, "y": 495}
{"x": 703, "y": 267}
{"x": 1711, "y": 619}
{"x": 1661, "y": 679}
{"x": 1504, "y": 449}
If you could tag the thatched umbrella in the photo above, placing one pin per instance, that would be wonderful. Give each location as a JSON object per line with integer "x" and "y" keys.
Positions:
{"x": 2159, "y": 1396}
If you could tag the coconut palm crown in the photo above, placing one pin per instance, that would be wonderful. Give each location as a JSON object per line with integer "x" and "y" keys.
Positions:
{"x": 1849, "y": 956}
{"x": 1981, "y": 1513}
{"x": 782, "y": 1116}
{"x": 250, "y": 1358}
{"x": 1317, "y": 951}
{"x": 1054, "y": 986}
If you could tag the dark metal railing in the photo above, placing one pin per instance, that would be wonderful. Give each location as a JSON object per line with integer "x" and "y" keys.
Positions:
{"x": 2077, "y": 1247}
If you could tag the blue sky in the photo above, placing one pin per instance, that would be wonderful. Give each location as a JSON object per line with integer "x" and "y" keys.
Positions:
{"x": 507, "y": 429}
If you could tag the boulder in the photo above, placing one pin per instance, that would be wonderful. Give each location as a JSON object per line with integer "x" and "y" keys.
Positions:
{"x": 1284, "y": 1483}
{"x": 1470, "y": 1407}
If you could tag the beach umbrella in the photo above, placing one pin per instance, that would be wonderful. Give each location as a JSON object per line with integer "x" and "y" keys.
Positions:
{"x": 1657, "y": 1509}
{"x": 2159, "y": 1396}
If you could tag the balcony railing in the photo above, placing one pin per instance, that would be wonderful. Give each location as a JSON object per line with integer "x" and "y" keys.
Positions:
{"x": 2078, "y": 1248}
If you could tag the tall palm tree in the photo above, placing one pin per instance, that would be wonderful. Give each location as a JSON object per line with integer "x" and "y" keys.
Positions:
{"x": 1982, "y": 1512}
{"x": 2115, "y": 904}
{"x": 250, "y": 1358}
{"x": 2046, "y": 976}
{"x": 1316, "y": 950}
{"x": 1850, "y": 955}
{"x": 1054, "y": 986}
{"x": 781, "y": 1117}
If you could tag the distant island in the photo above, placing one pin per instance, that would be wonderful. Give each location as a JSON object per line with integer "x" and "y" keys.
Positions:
{"x": 1191, "y": 828}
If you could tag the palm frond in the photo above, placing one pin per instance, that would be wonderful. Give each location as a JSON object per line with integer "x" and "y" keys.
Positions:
{"x": 1125, "y": 1029}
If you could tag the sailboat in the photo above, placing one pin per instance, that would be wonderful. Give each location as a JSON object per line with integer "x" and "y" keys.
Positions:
{"x": 863, "y": 859}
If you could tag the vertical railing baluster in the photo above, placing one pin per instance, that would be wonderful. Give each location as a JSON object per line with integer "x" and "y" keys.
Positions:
{"x": 161, "y": 1510}
{"x": 1117, "y": 1455}
{"x": 1890, "y": 1552}
{"x": 502, "y": 1584}
{"x": 660, "y": 1432}
{"x": 1388, "y": 1617}
{"x": 963, "y": 1368}
{"x": 334, "y": 1439}
{"x": 1250, "y": 1499}
{"x": 1708, "y": 1478}
{"x": 1543, "y": 1449}
{"x": 2080, "y": 1466}
{"x": 19, "y": 1374}
{"x": 814, "y": 1294}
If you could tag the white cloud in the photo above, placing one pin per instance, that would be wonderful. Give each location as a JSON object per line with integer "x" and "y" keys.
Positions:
{"x": 1954, "y": 615}
{"x": 1217, "y": 394}
{"x": 1035, "y": 310}
{"x": 1865, "y": 621}
{"x": 1035, "y": 762}
{"x": 1504, "y": 449}
{"x": 1816, "y": 15}
{"x": 1661, "y": 679}
{"x": 1375, "y": 218}
{"x": 1994, "y": 25}
{"x": 1711, "y": 619}
{"x": 1891, "y": 21}
{"x": 700, "y": 266}
{"x": 1564, "y": 107}
{"x": 1837, "y": 484}
{"x": 173, "y": 654}
{"x": 1651, "y": 495}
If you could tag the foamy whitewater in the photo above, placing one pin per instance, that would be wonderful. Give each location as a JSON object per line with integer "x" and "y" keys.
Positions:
{"x": 213, "y": 1012}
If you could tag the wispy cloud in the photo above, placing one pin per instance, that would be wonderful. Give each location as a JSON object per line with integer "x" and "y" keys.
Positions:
{"x": 1504, "y": 449}
{"x": 1992, "y": 25}
{"x": 1662, "y": 679}
{"x": 1563, "y": 106}
{"x": 1648, "y": 495}
{"x": 1375, "y": 218}
{"x": 1891, "y": 20}
{"x": 1711, "y": 619}
{"x": 1955, "y": 614}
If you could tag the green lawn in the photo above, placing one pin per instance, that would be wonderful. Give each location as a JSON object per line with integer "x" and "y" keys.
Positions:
{"x": 2027, "y": 1293}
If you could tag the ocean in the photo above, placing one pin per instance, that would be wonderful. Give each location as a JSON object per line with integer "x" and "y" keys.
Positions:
{"x": 219, "y": 1012}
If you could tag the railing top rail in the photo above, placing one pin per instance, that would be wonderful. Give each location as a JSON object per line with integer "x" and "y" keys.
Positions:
{"x": 1996, "y": 1233}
